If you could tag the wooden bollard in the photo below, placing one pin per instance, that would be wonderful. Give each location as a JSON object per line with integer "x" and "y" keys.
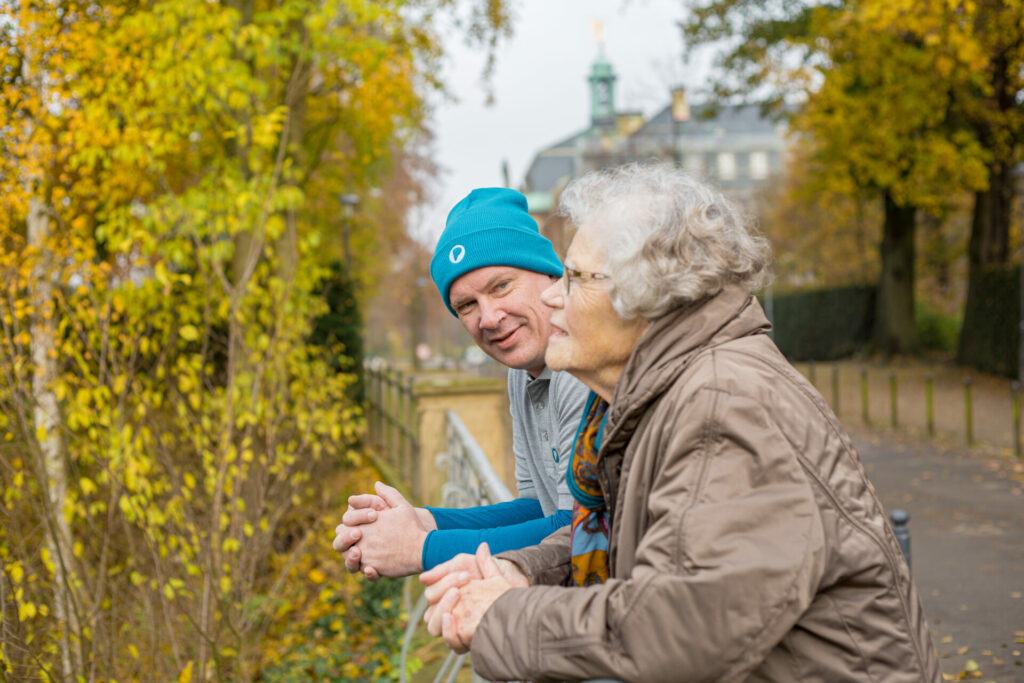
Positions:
{"x": 894, "y": 410}
{"x": 1015, "y": 388}
{"x": 835, "y": 388}
{"x": 968, "y": 410}
{"x": 864, "y": 414}
{"x": 929, "y": 403}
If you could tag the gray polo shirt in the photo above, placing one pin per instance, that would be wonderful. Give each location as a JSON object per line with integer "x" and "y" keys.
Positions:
{"x": 546, "y": 412}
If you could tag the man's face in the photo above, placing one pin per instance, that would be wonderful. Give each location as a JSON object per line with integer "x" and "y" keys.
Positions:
{"x": 500, "y": 307}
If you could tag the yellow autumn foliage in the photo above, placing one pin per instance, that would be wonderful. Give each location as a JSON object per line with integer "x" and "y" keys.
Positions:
{"x": 174, "y": 445}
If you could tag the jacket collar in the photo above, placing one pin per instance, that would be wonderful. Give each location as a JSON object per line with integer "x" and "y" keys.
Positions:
{"x": 667, "y": 347}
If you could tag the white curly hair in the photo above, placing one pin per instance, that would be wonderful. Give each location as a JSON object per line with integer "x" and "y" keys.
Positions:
{"x": 670, "y": 238}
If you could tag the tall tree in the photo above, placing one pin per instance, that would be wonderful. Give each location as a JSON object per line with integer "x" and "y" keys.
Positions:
{"x": 874, "y": 83}
{"x": 992, "y": 102}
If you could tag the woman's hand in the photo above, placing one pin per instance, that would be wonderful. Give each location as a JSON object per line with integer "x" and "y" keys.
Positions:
{"x": 460, "y": 590}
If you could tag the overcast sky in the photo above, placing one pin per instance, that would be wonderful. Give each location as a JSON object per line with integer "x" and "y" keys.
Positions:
{"x": 540, "y": 87}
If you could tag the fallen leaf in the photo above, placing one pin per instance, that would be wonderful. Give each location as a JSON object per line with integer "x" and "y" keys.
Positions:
{"x": 947, "y": 639}
{"x": 963, "y": 650}
{"x": 971, "y": 665}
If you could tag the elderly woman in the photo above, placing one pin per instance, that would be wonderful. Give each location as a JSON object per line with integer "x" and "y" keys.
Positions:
{"x": 723, "y": 528}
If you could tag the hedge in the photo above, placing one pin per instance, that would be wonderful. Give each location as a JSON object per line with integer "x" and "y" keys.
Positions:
{"x": 823, "y": 324}
{"x": 990, "y": 338}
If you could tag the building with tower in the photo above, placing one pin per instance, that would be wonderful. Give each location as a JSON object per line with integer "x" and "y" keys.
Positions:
{"x": 733, "y": 146}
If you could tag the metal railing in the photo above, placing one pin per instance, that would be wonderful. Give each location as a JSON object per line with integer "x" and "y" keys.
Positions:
{"x": 471, "y": 481}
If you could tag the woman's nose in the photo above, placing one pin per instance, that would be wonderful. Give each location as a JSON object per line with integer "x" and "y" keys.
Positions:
{"x": 552, "y": 297}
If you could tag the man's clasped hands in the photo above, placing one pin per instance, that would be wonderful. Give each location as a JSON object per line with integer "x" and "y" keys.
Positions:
{"x": 458, "y": 591}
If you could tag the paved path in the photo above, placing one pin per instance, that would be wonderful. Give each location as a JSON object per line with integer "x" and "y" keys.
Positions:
{"x": 967, "y": 548}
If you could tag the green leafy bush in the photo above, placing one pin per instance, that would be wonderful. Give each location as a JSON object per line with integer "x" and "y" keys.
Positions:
{"x": 823, "y": 324}
{"x": 990, "y": 339}
{"x": 936, "y": 331}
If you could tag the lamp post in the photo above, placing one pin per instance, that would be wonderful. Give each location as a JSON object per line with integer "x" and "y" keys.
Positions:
{"x": 680, "y": 113}
{"x": 349, "y": 202}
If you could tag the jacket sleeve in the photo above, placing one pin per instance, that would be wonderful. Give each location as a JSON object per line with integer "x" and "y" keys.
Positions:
{"x": 549, "y": 563}
{"x": 443, "y": 544}
{"x": 730, "y": 557}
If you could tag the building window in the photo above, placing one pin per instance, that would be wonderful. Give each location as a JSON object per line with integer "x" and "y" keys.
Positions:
{"x": 758, "y": 165}
{"x": 726, "y": 166}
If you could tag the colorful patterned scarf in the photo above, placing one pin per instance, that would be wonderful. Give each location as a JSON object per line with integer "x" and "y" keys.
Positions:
{"x": 589, "y": 533}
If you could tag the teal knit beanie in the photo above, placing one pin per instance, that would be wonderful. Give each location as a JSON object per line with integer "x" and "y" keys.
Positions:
{"x": 490, "y": 227}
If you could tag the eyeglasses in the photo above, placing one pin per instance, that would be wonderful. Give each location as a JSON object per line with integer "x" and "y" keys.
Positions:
{"x": 571, "y": 274}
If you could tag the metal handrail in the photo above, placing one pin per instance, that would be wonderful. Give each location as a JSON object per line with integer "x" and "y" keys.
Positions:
{"x": 471, "y": 481}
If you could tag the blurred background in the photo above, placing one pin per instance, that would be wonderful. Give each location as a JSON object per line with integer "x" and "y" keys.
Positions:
{"x": 215, "y": 213}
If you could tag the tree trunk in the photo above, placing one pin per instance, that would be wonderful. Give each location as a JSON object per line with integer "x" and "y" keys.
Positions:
{"x": 46, "y": 418}
{"x": 895, "y": 328}
{"x": 45, "y": 408}
{"x": 989, "y": 245}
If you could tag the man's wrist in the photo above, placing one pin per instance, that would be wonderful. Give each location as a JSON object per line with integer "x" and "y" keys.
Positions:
{"x": 420, "y": 550}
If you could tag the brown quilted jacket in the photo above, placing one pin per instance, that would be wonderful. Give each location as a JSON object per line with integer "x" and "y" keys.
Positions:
{"x": 747, "y": 543}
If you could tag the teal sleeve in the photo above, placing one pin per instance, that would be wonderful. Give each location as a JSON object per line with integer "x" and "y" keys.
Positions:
{"x": 487, "y": 516}
{"x": 442, "y": 545}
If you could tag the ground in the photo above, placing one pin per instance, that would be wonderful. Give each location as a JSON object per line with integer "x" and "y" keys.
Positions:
{"x": 967, "y": 547}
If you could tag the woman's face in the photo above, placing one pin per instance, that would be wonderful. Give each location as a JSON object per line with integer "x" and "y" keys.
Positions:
{"x": 588, "y": 338}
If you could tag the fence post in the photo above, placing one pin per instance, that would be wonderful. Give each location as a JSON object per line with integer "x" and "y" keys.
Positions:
{"x": 414, "y": 442}
{"x": 835, "y": 388}
{"x": 894, "y": 409}
{"x": 968, "y": 410}
{"x": 865, "y": 416}
{"x": 930, "y": 403}
{"x": 379, "y": 440}
{"x": 400, "y": 418}
{"x": 1015, "y": 388}
{"x": 389, "y": 410}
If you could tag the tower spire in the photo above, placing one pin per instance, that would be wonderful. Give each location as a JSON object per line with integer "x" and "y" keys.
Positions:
{"x": 602, "y": 84}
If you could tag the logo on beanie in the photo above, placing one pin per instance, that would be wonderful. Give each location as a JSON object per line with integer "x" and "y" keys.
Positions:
{"x": 457, "y": 253}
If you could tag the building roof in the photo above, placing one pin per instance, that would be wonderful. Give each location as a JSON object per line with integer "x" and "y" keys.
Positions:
{"x": 744, "y": 119}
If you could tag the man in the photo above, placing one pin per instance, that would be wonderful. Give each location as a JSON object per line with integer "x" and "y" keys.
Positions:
{"x": 490, "y": 266}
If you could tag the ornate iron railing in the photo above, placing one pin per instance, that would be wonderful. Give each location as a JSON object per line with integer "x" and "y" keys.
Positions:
{"x": 471, "y": 481}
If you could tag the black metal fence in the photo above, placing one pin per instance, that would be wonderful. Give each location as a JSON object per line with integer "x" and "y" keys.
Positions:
{"x": 391, "y": 417}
